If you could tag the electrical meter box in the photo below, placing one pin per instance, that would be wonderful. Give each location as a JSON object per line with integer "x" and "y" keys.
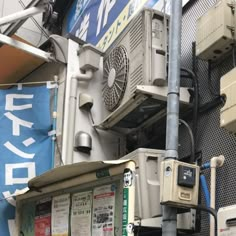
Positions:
{"x": 227, "y": 221}
{"x": 147, "y": 181}
{"x": 228, "y": 111}
{"x": 179, "y": 183}
{"x": 215, "y": 31}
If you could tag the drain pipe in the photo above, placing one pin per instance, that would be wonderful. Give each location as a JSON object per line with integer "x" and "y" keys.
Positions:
{"x": 89, "y": 60}
{"x": 169, "y": 219}
{"x": 215, "y": 163}
{"x": 72, "y": 111}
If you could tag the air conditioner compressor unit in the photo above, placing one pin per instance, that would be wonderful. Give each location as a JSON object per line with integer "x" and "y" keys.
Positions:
{"x": 134, "y": 73}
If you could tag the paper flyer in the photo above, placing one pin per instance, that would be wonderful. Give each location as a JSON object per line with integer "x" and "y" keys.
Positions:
{"x": 103, "y": 210}
{"x": 60, "y": 215}
{"x": 42, "y": 220}
{"x": 81, "y": 214}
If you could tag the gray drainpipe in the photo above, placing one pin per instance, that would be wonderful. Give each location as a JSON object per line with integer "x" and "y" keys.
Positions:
{"x": 169, "y": 220}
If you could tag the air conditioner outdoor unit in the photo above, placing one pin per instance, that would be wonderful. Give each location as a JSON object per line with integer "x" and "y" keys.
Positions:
{"x": 215, "y": 31}
{"x": 134, "y": 73}
{"x": 147, "y": 181}
{"x": 147, "y": 189}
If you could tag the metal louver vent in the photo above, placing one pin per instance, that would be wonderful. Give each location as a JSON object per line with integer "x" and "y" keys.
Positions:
{"x": 115, "y": 76}
{"x": 136, "y": 34}
{"x": 136, "y": 78}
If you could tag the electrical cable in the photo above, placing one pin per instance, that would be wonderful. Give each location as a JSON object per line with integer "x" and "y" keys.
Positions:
{"x": 91, "y": 117}
{"x": 207, "y": 106}
{"x": 97, "y": 132}
{"x": 211, "y": 89}
{"x": 203, "y": 109}
{"x": 94, "y": 128}
{"x": 208, "y": 210}
{"x": 192, "y": 157}
{"x": 59, "y": 152}
{"x": 194, "y": 58}
{"x": 59, "y": 46}
{"x": 194, "y": 78}
{"x": 233, "y": 52}
{"x": 93, "y": 124}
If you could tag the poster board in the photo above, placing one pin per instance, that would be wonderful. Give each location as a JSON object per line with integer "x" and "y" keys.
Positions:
{"x": 110, "y": 176}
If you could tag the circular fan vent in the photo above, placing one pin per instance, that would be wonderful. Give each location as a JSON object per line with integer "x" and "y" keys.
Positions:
{"x": 115, "y": 77}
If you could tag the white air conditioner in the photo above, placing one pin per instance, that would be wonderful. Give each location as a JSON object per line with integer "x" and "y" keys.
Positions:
{"x": 147, "y": 190}
{"x": 215, "y": 31}
{"x": 147, "y": 181}
{"x": 134, "y": 73}
{"x": 227, "y": 221}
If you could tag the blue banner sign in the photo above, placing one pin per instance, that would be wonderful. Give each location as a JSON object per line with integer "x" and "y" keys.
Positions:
{"x": 25, "y": 145}
{"x": 100, "y": 22}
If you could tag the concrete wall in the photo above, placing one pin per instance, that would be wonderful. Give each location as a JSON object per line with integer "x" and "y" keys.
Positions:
{"x": 29, "y": 31}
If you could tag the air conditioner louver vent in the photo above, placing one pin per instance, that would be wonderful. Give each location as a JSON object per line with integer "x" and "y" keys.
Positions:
{"x": 136, "y": 78}
{"x": 115, "y": 77}
{"x": 136, "y": 34}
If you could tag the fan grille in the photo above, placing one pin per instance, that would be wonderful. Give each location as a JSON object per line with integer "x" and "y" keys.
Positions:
{"x": 115, "y": 77}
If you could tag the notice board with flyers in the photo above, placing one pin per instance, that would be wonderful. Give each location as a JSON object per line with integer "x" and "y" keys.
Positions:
{"x": 82, "y": 199}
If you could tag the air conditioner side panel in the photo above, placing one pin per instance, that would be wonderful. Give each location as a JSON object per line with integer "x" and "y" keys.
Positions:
{"x": 105, "y": 145}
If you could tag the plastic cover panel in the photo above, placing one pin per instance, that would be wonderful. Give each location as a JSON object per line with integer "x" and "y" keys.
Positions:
{"x": 212, "y": 140}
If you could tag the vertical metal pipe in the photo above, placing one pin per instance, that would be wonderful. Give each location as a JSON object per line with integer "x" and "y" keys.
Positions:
{"x": 169, "y": 221}
{"x": 174, "y": 80}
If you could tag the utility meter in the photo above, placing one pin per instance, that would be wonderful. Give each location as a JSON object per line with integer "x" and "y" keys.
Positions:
{"x": 179, "y": 183}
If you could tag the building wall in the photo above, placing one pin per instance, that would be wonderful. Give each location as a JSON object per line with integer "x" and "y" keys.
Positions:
{"x": 29, "y": 31}
{"x": 211, "y": 139}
